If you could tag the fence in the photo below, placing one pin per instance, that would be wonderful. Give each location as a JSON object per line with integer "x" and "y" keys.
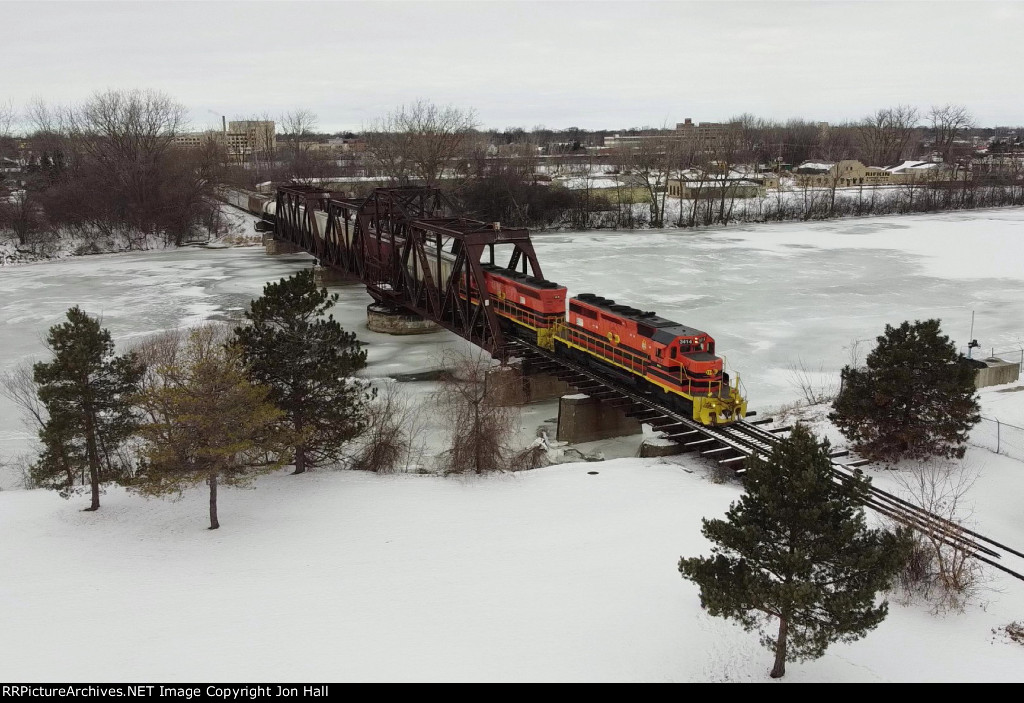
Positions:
{"x": 1011, "y": 355}
{"x": 998, "y": 437}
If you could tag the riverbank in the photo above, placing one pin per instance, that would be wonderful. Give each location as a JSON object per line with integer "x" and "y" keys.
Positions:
{"x": 234, "y": 229}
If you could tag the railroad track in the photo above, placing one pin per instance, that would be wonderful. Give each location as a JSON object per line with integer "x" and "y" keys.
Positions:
{"x": 731, "y": 445}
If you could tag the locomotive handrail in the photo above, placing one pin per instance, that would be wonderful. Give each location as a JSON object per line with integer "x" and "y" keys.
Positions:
{"x": 635, "y": 360}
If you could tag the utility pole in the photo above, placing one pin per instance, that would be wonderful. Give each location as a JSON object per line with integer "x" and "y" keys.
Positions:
{"x": 974, "y": 342}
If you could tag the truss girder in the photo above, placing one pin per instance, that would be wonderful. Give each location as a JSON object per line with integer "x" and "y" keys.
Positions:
{"x": 410, "y": 250}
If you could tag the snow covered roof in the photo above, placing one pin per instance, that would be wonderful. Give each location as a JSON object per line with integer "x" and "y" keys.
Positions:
{"x": 815, "y": 166}
{"x": 908, "y": 165}
{"x": 718, "y": 181}
{"x": 733, "y": 177}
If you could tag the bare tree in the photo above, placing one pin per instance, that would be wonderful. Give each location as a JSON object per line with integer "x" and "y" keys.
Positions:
{"x": 19, "y": 387}
{"x": 20, "y": 213}
{"x": 388, "y": 146}
{"x": 394, "y": 436}
{"x": 793, "y": 142}
{"x": 303, "y": 160}
{"x": 886, "y": 135}
{"x": 650, "y": 162}
{"x": 947, "y": 123}
{"x": 734, "y": 146}
{"x": 420, "y": 141}
{"x": 114, "y": 165}
{"x": 693, "y": 165}
{"x": 298, "y": 126}
{"x": 471, "y": 402}
{"x": 127, "y": 133}
{"x": 837, "y": 145}
{"x": 8, "y": 115}
{"x": 582, "y": 171}
{"x": 946, "y": 576}
{"x": 815, "y": 386}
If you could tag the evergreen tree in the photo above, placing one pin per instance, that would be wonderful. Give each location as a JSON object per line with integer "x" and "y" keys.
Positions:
{"x": 85, "y": 390}
{"x": 308, "y": 361}
{"x": 206, "y": 421}
{"x": 795, "y": 547}
{"x": 915, "y": 399}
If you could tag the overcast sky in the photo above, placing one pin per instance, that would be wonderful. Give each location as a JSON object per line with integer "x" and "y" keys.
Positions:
{"x": 589, "y": 64}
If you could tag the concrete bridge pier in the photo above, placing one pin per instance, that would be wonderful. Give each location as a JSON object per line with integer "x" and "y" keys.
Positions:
{"x": 324, "y": 276}
{"x": 538, "y": 385}
{"x": 585, "y": 419}
{"x": 386, "y": 319}
{"x": 543, "y": 386}
{"x": 278, "y": 246}
{"x": 515, "y": 384}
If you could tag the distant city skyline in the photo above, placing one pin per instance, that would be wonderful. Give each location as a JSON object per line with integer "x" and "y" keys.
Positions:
{"x": 594, "y": 65}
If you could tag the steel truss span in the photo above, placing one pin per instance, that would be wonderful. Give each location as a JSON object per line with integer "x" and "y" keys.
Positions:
{"x": 410, "y": 250}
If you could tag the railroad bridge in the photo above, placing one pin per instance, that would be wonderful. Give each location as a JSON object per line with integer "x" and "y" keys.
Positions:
{"x": 411, "y": 251}
{"x": 414, "y": 253}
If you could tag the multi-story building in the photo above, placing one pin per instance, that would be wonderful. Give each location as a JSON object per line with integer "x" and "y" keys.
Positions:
{"x": 241, "y": 139}
{"x": 708, "y": 135}
{"x": 194, "y": 140}
{"x": 252, "y": 135}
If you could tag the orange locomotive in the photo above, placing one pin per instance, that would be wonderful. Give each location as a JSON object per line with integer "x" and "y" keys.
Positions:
{"x": 665, "y": 355}
{"x": 525, "y": 300}
{"x": 649, "y": 352}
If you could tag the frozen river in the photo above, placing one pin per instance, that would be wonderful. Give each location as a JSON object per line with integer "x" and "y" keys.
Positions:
{"x": 782, "y": 294}
{"x": 772, "y": 295}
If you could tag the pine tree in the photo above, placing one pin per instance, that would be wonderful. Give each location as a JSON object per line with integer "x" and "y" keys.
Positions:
{"x": 206, "y": 421}
{"x": 85, "y": 390}
{"x": 795, "y": 547}
{"x": 308, "y": 361}
{"x": 915, "y": 399}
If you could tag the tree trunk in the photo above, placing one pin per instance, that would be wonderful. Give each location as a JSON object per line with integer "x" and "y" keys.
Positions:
{"x": 94, "y": 461}
{"x": 94, "y": 481}
{"x": 477, "y": 440}
{"x": 300, "y": 448}
{"x": 779, "y": 670}
{"x": 212, "y": 481}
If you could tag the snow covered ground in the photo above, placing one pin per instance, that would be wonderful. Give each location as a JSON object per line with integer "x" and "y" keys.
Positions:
{"x": 552, "y": 574}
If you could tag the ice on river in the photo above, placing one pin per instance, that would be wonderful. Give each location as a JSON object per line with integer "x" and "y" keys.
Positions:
{"x": 773, "y": 296}
{"x": 786, "y": 294}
